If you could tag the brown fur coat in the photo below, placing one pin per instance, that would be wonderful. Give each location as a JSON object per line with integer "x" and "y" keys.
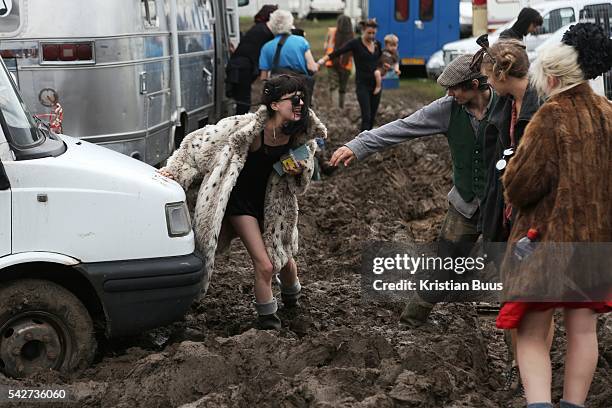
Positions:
{"x": 560, "y": 182}
{"x": 211, "y": 158}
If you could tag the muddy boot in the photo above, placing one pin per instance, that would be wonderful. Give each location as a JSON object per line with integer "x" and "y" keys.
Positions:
{"x": 416, "y": 313}
{"x": 290, "y": 296}
{"x": 266, "y": 316}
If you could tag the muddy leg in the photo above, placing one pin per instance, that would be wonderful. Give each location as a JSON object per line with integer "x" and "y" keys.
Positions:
{"x": 247, "y": 228}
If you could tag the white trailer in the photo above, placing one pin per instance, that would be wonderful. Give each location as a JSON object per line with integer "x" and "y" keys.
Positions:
{"x": 134, "y": 76}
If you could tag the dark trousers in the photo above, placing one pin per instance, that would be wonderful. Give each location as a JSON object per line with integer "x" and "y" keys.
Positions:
{"x": 241, "y": 92}
{"x": 368, "y": 103}
{"x": 457, "y": 238}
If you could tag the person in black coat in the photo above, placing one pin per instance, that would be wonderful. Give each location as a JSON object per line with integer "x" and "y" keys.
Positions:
{"x": 243, "y": 67}
{"x": 527, "y": 22}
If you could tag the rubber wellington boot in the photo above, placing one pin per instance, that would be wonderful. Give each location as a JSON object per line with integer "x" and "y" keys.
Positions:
{"x": 266, "y": 315}
{"x": 291, "y": 296}
{"x": 268, "y": 322}
{"x": 416, "y": 313}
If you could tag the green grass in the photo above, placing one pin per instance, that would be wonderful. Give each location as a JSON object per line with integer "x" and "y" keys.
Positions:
{"x": 423, "y": 86}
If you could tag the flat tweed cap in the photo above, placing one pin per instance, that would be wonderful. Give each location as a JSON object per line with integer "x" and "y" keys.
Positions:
{"x": 458, "y": 71}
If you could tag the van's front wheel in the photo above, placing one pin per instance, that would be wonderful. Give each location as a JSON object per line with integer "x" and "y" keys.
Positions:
{"x": 43, "y": 327}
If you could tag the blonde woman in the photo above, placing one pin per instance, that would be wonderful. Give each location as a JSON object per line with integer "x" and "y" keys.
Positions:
{"x": 560, "y": 183}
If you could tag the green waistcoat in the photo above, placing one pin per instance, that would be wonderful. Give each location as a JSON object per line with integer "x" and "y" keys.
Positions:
{"x": 469, "y": 173}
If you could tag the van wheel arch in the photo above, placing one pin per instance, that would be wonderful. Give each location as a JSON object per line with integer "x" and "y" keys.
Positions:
{"x": 67, "y": 277}
{"x": 43, "y": 326}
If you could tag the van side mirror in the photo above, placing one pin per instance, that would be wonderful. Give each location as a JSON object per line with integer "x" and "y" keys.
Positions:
{"x": 242, "y": 3}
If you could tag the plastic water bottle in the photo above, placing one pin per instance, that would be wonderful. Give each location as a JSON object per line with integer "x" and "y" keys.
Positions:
{"x": 526, "y": 245}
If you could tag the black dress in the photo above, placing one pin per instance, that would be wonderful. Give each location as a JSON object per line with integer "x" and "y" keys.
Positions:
{"x": 249, "y": 193}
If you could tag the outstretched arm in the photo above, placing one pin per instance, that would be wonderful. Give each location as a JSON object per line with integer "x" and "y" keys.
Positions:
{"x": 432, "y": 119}
{"x": 342, "y": 50}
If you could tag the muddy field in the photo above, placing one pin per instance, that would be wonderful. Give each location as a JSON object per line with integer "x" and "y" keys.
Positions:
{"x": 337, "y": 351}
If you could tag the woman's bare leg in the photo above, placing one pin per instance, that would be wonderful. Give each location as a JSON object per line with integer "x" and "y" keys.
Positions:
{"x": 581, "y": 355}
{"x": 533, "y": 355}
{"x": 288, "y": 274}
{"x": 248, "y": 230}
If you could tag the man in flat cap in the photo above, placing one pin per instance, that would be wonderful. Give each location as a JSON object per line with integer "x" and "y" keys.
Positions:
{"x": 462, "y": 116}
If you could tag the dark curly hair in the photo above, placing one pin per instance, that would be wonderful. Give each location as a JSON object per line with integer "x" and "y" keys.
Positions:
{"x": 274, "y": 89}
{"x": 593, "y": 46}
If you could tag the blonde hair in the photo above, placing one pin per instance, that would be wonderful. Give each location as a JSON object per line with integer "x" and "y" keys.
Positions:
{"x": 281, "y": 22}
{"x": 391, "y": 39}
{"x": 559, "y": 61}
{"x": 506, "y": 58}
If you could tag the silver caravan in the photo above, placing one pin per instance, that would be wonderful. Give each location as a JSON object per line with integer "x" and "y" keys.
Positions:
{"x": 132, "y": 75}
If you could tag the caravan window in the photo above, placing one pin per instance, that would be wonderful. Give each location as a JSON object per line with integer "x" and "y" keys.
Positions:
{"x": 557, "y": 19}
{"x": 402, "y": 10}
{"x": 149, "y": 13}
{"x": 426, "y": 10}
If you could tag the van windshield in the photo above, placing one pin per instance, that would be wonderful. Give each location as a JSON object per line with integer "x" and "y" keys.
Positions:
{"x": 17, "y": 123}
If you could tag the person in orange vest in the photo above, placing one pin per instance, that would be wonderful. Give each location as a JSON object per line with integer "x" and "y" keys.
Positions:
{"x": 339, "y": 68}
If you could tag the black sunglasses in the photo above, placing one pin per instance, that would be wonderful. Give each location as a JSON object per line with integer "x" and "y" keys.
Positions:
{"x": 295, "y": 99}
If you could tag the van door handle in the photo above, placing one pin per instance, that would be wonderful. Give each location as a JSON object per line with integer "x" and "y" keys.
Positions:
{"x": 419, "y": 24}
{"x": 206, "y": 73}
{"x": 143, "y": 83}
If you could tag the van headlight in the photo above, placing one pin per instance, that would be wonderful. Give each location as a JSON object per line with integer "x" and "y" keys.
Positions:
{"x": 177, "y": 219}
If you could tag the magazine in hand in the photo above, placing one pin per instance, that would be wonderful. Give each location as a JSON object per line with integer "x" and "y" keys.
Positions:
{"x": 291, "y": 159}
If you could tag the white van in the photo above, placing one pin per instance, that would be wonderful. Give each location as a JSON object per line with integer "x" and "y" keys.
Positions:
{"x": 91, "y": 241}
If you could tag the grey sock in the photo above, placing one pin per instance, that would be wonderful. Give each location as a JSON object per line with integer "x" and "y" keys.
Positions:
{"x": 566, "y": 404}
{"x": 266, "y": 308}
{"x": 292, "y": 290}
{"x": 540, "y": 405}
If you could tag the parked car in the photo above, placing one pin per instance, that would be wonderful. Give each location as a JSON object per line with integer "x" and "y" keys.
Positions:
{"x": 435, "y": 65}
{"x": 91, "y": 242}
{"x": 133, "y": 76}
{"x": 555, "y": 14}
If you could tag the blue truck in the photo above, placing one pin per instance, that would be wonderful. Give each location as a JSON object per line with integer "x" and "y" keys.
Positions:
{"x": 423, "y": 26}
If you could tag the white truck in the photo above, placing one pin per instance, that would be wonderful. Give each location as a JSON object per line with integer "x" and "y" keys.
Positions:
{"x": 91, "y": 241}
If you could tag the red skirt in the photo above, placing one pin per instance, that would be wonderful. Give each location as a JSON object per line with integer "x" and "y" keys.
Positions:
{"x": 511, "y": 313}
